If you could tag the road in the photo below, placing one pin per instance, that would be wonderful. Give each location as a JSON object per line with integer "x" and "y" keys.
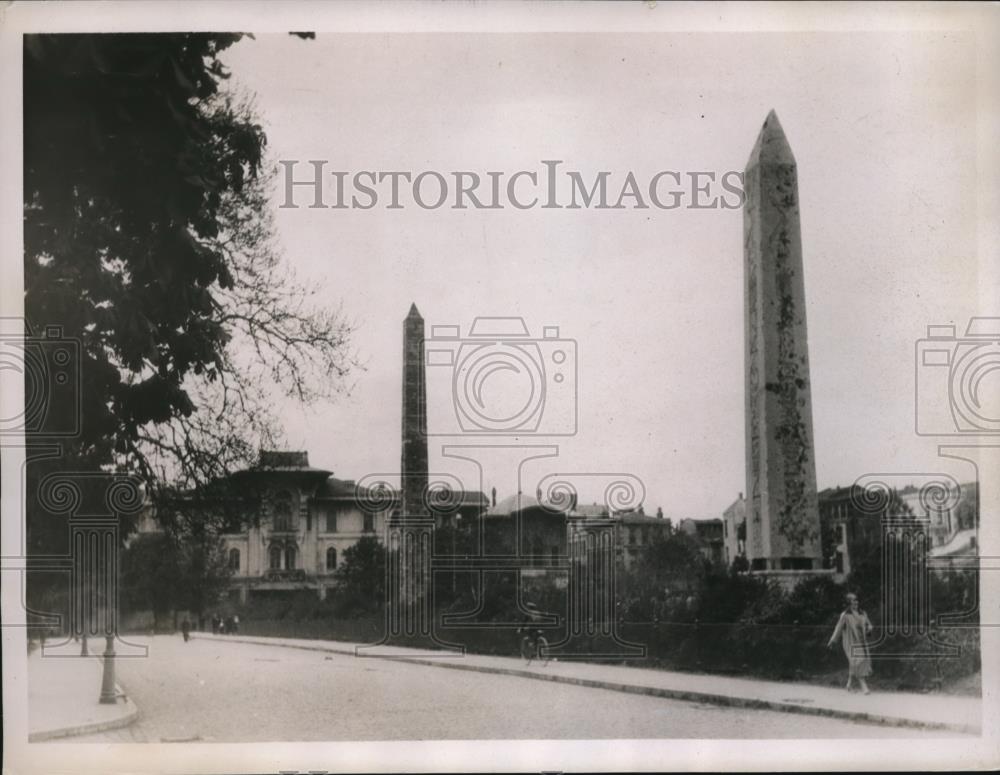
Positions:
{"x": 222, "y": 691}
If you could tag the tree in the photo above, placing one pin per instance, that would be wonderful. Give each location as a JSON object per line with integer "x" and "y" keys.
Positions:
{"x": 205, "y": 573}
{"x": 360, "y": 577}
{"x": 866, "y": 579}
{"x": 147, "y": 239}
{"x": 671, "y": 562}
{"x": 967, "y": 510}
{"x": 150, "y": 574}
{"x": 164, "y": 573}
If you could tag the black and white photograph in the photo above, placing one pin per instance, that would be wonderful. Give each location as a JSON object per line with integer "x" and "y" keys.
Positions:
{"x": 454, "y": 386}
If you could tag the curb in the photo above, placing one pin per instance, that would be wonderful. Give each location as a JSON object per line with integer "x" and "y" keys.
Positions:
{"x": 686, "y": 695}
{"x": 131, "y": 714}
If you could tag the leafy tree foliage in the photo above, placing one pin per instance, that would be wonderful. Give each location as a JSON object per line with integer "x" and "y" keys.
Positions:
{"x": 360, "y": 577}
{"x": 128, "y": 155}
{"x": 151, "y": 574}
{"x": 671, "y": 562}
{"x": 148, "y": 241}
{"x": 163, "y": 574}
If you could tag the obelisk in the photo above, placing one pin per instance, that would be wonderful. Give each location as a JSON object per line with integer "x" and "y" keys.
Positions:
{"x": 413, "y": 466}
{"x": 783, "y": 531}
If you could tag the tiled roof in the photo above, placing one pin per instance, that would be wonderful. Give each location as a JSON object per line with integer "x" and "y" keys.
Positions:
{"x": 285, "y": 462}
{"x": 348, "y": 488}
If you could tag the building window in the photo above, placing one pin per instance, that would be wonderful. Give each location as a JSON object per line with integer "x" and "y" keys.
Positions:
{"x": 331, "y": 522}
{"x": 234, "y": 560}
{"x": 283, "y": 511}
{"x": 275, "y": 558}
{"x": 369, "y": 522}
{"x": 289, "y": 558}
{"x": 331, "y": 558}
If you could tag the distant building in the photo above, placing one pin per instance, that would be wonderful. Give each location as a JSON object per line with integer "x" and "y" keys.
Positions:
{"x": 292, "y": 523}
{"x": 634, "y": 531}
{"x": 848, "y": 532}
{"x": 943, "y": 520}
{"x": 710, "y": 535}
{"x": 540, "y": 527}
{"x": 734, "y": 530}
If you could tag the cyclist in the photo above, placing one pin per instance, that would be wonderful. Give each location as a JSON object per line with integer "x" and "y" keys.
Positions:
{"x": 529, "y": 631}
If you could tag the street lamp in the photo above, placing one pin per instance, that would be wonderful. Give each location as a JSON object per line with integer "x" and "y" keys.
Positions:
{"x": 108, "y": 696}
{"x": 454, "y": 532}
{"x": 110, "y": 622}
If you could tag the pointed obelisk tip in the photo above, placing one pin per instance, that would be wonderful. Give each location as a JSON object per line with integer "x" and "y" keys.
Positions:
{"x": 772, "y": 146}
{"x": 414, "y": 312}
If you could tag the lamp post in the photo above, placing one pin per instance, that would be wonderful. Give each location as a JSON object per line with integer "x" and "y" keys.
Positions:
{"x": 454, "y": 532}
{"x": 108, "y": 696}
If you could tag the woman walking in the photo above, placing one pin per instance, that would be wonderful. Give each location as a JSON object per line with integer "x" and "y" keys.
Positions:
{"x": 853, "y": 627}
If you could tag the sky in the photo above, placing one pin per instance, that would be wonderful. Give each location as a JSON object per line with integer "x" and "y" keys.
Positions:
{"x": 883, "y": 128}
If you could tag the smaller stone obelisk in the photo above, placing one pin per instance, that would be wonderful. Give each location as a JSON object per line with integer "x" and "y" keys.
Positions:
{"x": 413, "y": 465}
{"x": 783, "y": 530}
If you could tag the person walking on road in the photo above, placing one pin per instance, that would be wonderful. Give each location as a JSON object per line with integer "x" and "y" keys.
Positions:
{"x": 186, "y": 629}
{"x": 853, "y": 629}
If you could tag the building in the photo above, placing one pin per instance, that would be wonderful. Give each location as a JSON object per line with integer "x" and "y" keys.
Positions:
{"x": 296, "y": 532}
{"x": 291, "y": 523}
{"x": 848, "y": 532}
{"x": 734, "y": 530}
{"x": 631, "y": 530}
{"x": 710, "y": 535}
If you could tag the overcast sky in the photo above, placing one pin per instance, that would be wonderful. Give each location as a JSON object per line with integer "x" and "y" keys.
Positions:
{"x": 883, "y": 129}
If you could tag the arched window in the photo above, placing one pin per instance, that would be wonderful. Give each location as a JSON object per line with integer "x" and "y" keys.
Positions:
{"x": 283, "y": 511}
{"x": 289, "y": 557}
{"x": 331, "y": 558}
{"x": 234, "y": 560}
{"x": 275, "y": 558}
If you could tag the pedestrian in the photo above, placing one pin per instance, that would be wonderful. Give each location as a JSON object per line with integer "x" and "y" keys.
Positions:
{"x": 186, "y": 629}
{"x": 236, "y": 623}
{"x": 853, "y": 629}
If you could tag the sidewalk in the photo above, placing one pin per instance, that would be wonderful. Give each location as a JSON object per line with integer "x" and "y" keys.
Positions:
{"x": 63, "y": 694}
{"x": 901, "y": 709}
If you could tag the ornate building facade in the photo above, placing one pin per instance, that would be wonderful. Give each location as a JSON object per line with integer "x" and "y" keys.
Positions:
{"x": 303, "y": 522}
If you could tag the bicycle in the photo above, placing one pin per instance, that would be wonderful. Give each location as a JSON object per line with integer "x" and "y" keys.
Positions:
{"x": 534, "y": 647}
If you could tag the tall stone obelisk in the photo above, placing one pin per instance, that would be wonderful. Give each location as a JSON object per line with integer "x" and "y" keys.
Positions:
{"x": 409, "y": 609}
{"x": 413, "y": 466}
{"x": 783, "y": 530}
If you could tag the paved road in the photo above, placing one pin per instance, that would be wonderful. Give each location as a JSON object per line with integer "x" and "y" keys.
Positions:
{"x": 237, "y": 692}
